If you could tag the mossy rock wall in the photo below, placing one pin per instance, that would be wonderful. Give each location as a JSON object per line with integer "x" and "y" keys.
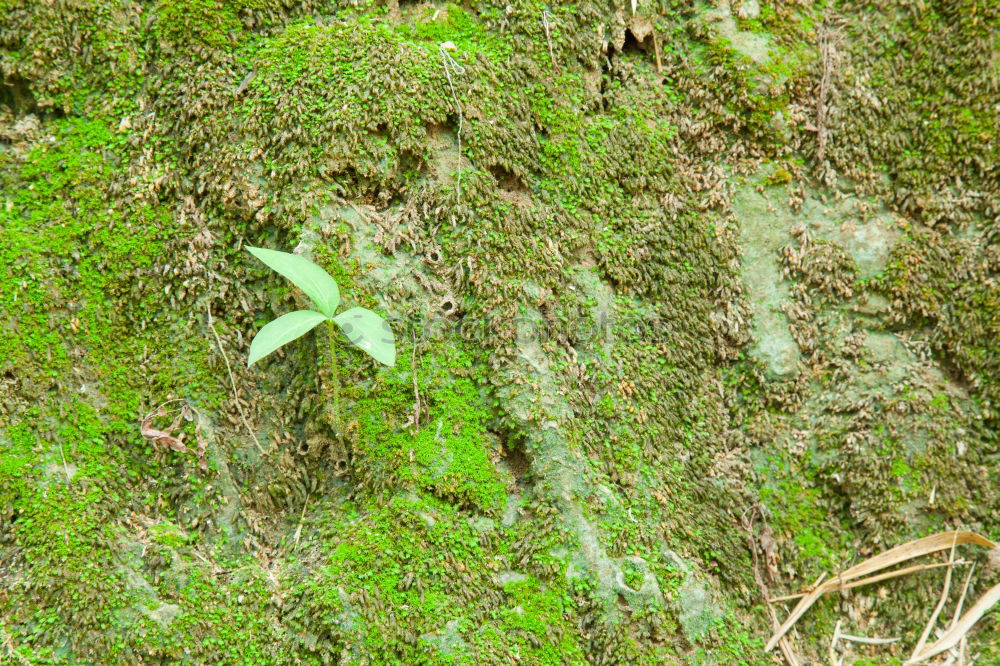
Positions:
{"x": 692, "y": 302}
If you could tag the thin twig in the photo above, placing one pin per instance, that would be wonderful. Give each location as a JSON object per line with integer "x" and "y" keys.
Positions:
{"x": 784, "y": 643}
{"x": 656, "y": 50}
{"x": 335, "y": 378}
{"x": 232, "y": 380}
{"x": 961, "y": 600}
{"x": 800, "y": 608}
{"x": 865, "y": 640}
{"x": 873, "y": 579}
{"x": 828, "y": 42}
{"x": 166, "y": 412}
{"x": 246, "y": 81}
{"x": 416, "y": 386}
{"x": 907, "y": 551}
{"x": 833, "y": 645}
{"x": 449, "y": 66}
{"x": 955, "y": 634}
{"x": 962, "y": 644}
{"x": 298, "y": 530}
{"x": 546, "y": 23}
{"x": 937, "y": 610}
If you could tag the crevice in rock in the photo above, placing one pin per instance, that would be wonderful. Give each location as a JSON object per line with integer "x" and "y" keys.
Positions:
{"x": 519, "y": 464}
{"x": 16, "y": 94}
{"x": 507, "y": 180}
{"x": 635, "y": 46}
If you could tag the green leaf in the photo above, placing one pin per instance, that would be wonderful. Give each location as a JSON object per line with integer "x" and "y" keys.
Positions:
{"x": 281, "y": 331}
{"x": 304, "y": 274}
{"x": 370, "y": 333}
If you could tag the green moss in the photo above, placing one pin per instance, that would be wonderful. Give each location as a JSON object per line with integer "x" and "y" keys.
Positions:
{"x": 221, "y": 623}
{"x": 62, "y": 530}
{"x": 79, "y": 57}
{"x": 62, "y": 478}
{"x": 534, "y": 618}
{"x": 728, "y": 641}
{"x": 591, "y": 192}
{"x": 169, "y": 534}
{"x": 935, "y": 121}
{"x": 961, "y": 312}
{"x": 214, "y": 23}
{"x": 418, "y": 557}
{"x": 450, "y": 454}
{"x": 798, "y": 512}
{"x": 779, "y": 177}
{"x": 454, "y": 24}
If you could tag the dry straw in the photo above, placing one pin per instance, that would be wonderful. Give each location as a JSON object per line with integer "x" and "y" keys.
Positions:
{"x": 867, "y": 572}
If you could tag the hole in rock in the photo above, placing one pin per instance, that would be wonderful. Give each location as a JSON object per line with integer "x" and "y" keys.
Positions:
{"x": 517, "y": 462}
{"x": 633, "y": 45}
{"x": 507, "y": 180}
{"x": 449, "y": 306}
{"x": 15, "y": 93}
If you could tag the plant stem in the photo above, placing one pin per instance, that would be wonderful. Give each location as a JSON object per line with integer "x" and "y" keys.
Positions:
{"x": 336, "y": 378}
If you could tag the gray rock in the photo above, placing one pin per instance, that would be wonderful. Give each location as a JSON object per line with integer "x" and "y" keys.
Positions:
{"x": 749, "y": 10}
{"x": 163, "y": 614}
{"x": 693, "y": 602}
{"x": 448, "y": 639}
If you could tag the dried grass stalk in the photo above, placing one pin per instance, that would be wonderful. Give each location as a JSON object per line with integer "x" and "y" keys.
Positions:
{"x": 804, "y": 604}
{"x": 865, "y": 640}
{"x": 891, "y": 557}
{"x": 836, "y": 585}
{"x": 937, "y": 609}
{"x": 957, "y": 632}
{"x": 917, "y": 548}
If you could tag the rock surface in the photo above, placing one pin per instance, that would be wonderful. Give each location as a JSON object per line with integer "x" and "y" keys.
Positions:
{"x": 692, "y": 303}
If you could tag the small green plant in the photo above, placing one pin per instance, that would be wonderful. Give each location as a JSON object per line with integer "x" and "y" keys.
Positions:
{"x": 368, "y": 331}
